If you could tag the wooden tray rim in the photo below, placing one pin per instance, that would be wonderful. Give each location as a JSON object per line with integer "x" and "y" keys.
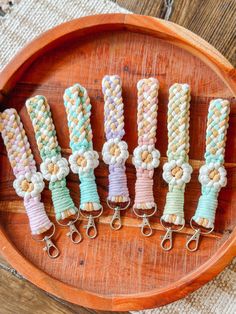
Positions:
{"x": 193, "y": 44}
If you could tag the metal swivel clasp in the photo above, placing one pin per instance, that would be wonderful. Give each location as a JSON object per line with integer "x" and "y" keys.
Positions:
{"x": 74, "y": 235}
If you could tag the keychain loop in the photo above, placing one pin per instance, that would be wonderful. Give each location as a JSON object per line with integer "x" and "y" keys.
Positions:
{"x": 168, "y": 237}
{"x": 195, "y": 237}
{"x": 115, "y": 222}
{"x": 91, "y": 226}
{"x": 50, "y": 247}
{"x": 74, "y": 234}
{"x": 145, "y": 225}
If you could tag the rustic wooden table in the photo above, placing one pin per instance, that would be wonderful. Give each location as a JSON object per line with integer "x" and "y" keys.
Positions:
{"x": 213, "y": 20}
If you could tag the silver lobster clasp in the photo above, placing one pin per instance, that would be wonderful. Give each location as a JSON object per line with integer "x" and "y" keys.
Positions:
{"x": 74, "y": 235}
{"x": 50, "y": 248}
{"x": 115, "y": 222}
{"x": 91, "y": 230}
{"x": 146, "y": 228}
{"x": 192, "y": 243}
{"x": 167, "y": 240}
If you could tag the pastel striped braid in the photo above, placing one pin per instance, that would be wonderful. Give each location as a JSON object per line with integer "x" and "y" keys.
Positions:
{"x": 28, "y": 183}
{"x": 115, "y": 151}
{"x": 177, "y": 171}
{"x": 84, "y": 159}
{"x": 213, "y": 174}
{"x": 54, "y": 167}
{"x": 146, "y": 157}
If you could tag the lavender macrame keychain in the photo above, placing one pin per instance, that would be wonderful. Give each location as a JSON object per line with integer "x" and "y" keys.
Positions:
{"x": 115, "y": 151}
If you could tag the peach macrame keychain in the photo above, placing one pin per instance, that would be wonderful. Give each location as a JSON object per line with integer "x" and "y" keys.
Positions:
{"x": 146, "y": 157}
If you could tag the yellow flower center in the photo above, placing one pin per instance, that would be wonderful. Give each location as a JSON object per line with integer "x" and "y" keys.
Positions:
{"x": 53, "y": 169}
{"x": 177, "y": 172}
{"x": 214, "y": 175}
{"x": 146, "y": 157}
{"x": 81, "y": 161}
{"x": 27, "y": 186}
{"x": 114, "y": 150}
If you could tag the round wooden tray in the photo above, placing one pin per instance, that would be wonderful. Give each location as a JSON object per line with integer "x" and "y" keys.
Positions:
{"x": 120, "y": 270}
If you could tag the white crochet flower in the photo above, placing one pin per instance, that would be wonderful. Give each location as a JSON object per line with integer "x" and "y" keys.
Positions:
{"x": 176, "y": 172}
{"x": 29, "y": 184}
{"x": 146, "y": 157}
{"x": 115, "y": 152}
{"x": 83, "y": 161}
{"x": 55, "y": 168}
{"x": 213, "y": 175}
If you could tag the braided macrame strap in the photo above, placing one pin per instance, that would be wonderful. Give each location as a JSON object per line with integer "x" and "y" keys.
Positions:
{"x": 177, "y": 171}
{"x": 54, "y": 167}
{"x": 84, "y": 159}
{"x": 146, "y": 156}
{"x": 28, "y": 183}
{"x": 213, "y": 174}
{"x": 115, "y": 151}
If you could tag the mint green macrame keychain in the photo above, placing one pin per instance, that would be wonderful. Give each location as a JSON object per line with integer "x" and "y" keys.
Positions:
{"x": 84, "y": 159}
{"x": 177, "y": 171}
{"x": 212, "y": 174}
{"x": 54, "y": 167}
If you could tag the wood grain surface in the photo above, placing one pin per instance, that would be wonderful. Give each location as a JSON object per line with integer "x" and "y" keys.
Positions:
{"x": 217, "y": 21}
{"x": 213, "y": 20}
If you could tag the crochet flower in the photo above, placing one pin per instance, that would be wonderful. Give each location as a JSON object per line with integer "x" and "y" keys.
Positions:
{"x": 213, "y": 175}
{"x": 55, "y": 168}
{"x": 115, "y": 152}
{"x": 146, "y": 157}
{"x": 177, "y": 172}
{"x": 83, "y": 161}
{"x": 29, "y": 184}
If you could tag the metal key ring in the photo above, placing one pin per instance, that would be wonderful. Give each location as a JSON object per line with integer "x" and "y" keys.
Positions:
{"x": 87, "y": 216}
{"x": 48, "y": 237}
{"x": 204, "y": 232}
{"x": 120, "y": 208}
{"x": 173, "y": 230}
{"x": 195, "y": 237}
{"x": 71, "y": 221}
{"x": 145, "y": 215}
{"x": 50, "y": 246}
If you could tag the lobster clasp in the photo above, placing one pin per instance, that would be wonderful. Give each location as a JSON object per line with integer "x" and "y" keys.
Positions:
{"x": 74, "y": 235}
{"x": 192, "y": 243}
{"x": 146, "y": 228}
{"x": 167, "y": 240}
{"x": 50, "y": 248}
{"x": 116, "y": 220}
{"x": 91, "y": 230}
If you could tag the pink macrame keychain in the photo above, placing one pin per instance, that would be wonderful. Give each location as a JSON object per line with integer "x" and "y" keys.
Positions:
{"x": 28, "y": 183}
{"x": 146, "y": 156}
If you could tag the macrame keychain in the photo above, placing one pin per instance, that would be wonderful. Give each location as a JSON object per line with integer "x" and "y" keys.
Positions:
{"x": 212, "y": 174}
{"x": 177, "y": 171}
{"x": 28, "y": 183}
{"x": 115, "y": 151}
{"x": 84, "y": 159}
{"x": 146, "y": 156}
{"x": 54, "y": 167}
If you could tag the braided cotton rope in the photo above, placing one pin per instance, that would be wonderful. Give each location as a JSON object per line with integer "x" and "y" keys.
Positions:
{"x": 54, "y": 168}
{"x": 213, "y": 174}
{"x": 115, "y": 151}
{"x": 146, "y": 157}
{"x": 177, "y": 171}
{"x": 28, "y": 183}
{"x": 84, "y": 159}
